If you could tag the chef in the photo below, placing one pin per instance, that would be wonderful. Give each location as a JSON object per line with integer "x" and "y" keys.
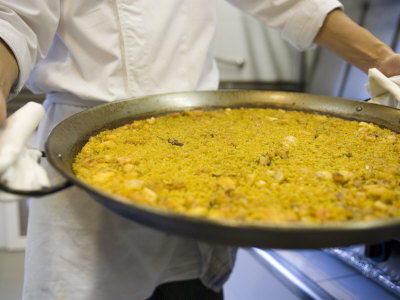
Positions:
{"x": 83, "y": 53}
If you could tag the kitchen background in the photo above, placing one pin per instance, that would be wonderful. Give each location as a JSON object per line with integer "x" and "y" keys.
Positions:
{"x": 252, "y": 56}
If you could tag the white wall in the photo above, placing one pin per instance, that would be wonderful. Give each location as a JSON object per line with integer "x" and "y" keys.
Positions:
{"x": 11, "y": 236}
{"x": 10, "y": 232}
{"x": 2, "y": 229}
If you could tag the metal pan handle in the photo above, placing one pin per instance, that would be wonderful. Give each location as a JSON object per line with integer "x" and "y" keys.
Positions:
{"x": 37, "y": 193}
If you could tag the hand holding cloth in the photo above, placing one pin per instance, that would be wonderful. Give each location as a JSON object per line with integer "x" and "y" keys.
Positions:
{"x": 383, "y": 90}
{"x": 19, "y": 165}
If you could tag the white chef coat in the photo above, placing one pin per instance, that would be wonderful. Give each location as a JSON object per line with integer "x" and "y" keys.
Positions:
{"x": 82, "y": 52}
{"x": 115, "y": 49}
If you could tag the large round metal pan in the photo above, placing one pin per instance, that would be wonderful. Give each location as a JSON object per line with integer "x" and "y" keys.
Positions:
{"x": 66, "y": 140}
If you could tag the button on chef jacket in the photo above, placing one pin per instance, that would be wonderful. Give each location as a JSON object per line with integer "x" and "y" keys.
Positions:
{"x": 82, "y": 52}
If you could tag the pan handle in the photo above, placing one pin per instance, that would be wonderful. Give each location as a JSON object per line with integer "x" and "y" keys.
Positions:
{"x": 37, "y": 193}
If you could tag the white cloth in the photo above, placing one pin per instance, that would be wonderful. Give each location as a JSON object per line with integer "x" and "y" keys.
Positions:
{"x": 109, "y": 50}
{"x": 19, "y": 167}
{"x": 383, "y": 90}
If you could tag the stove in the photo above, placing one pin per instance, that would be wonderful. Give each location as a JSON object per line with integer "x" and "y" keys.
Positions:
{"x": 380, "y": 262}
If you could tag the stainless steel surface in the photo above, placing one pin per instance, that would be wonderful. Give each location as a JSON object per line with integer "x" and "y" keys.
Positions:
{"x": 320, "y": 275}
{"x": 385, "y": 273}
{"x": 300, "y": 284}
{"x": 69, "y": 136}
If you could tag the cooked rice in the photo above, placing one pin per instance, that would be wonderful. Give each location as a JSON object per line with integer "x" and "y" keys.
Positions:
{"x": 250, "y": 164}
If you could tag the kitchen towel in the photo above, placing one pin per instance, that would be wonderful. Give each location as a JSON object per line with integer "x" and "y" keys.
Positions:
{"x": 383, "y": 90}
{"x": 19, "y": 165}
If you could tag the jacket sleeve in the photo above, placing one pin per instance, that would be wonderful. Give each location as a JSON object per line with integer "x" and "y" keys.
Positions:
{"x": 298, "y": 20}
{"x": 28, "y": 28}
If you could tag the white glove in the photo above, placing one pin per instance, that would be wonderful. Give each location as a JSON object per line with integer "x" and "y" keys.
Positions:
{"x": 19, "y": 167}
{"x": 383, "y": 90}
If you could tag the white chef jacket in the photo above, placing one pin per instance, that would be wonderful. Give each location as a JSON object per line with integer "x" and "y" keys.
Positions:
{"x": 115, "y": 49}
{"x": 83, "y": 52}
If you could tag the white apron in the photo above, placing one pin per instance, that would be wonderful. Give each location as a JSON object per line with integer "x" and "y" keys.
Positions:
{"x": 77, "y": 249}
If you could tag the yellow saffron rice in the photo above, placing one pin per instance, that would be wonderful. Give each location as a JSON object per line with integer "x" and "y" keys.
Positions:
{"x": 251, "y": 165}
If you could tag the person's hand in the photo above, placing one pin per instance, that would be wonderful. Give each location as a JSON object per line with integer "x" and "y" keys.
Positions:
{"x": 391, "y": 65}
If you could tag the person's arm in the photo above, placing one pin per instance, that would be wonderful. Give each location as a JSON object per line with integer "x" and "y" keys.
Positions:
{"x": 356, "y": 44}
{"x": 28, "y": 28}
{"x": 8, "y": 75}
